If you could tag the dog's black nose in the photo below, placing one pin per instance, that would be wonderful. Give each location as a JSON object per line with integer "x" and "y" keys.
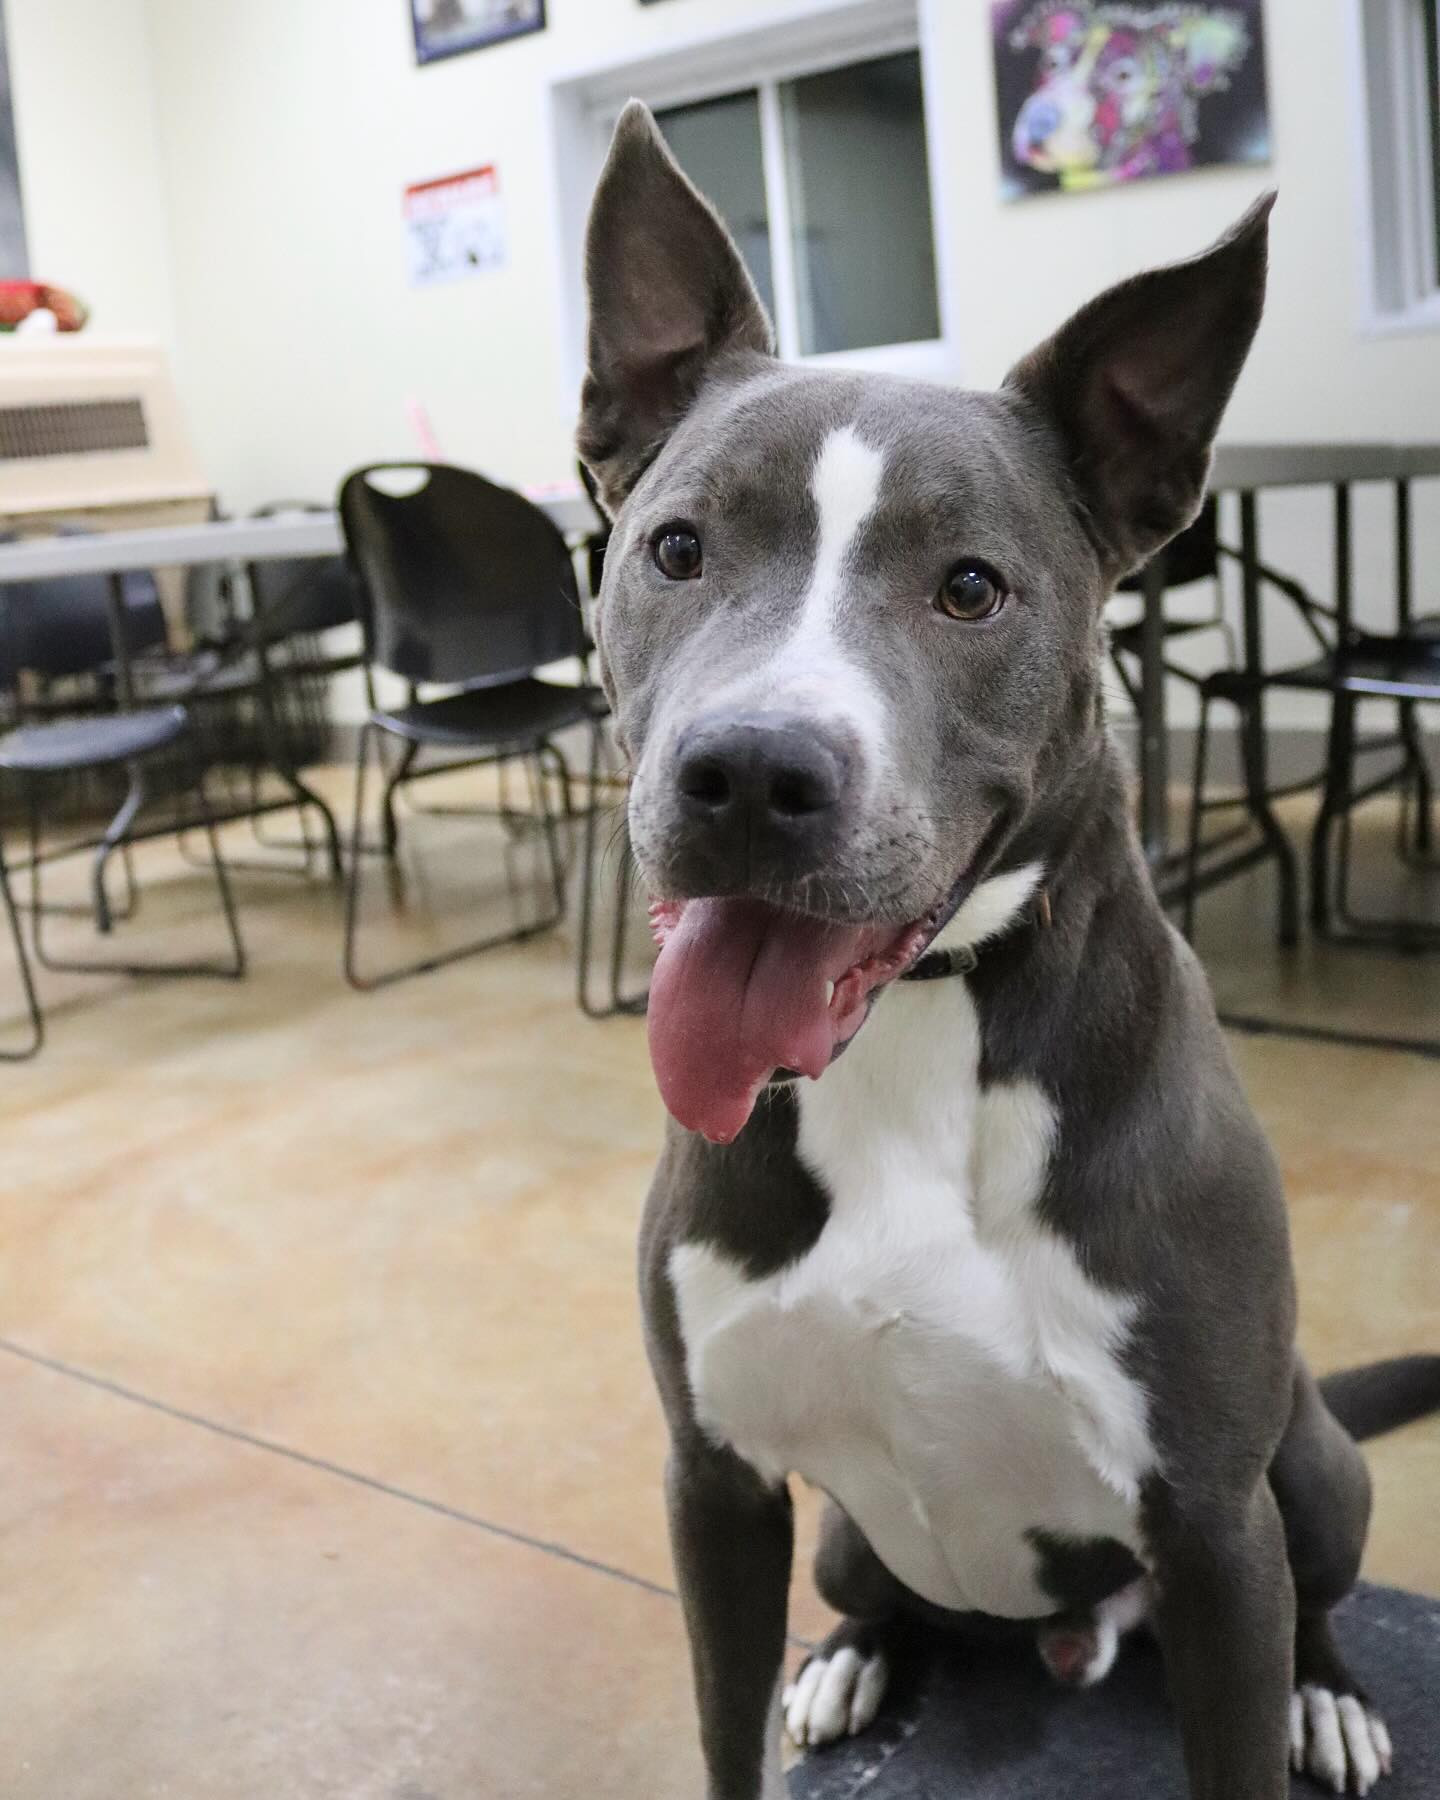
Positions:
{"x": 761, "y": 788}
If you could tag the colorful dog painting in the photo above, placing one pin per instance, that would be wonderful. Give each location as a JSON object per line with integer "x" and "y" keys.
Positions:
{"x": 1117, "y": 92}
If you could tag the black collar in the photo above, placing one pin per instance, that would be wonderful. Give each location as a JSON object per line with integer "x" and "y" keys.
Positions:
{"x": 938, "y": 965}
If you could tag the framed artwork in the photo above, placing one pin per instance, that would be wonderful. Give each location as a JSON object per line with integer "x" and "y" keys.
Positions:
{"x": 14, "y": 263}
{"x": 1093, "y": 93}
{"x": 451, "y": 27}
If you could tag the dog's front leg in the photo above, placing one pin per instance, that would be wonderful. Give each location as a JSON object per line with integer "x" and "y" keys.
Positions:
{"x": 1226, "y": 1622}
{"x": 732, "y": 1537}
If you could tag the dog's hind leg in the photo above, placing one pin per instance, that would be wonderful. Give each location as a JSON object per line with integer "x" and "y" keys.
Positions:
{"x": 1322, "y": 1486}
{"x": 841, "y": 1684}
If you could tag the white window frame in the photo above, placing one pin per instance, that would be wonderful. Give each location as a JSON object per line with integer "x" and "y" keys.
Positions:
{"x": 802, "y": 40}
{"x": 1400, "y": 277}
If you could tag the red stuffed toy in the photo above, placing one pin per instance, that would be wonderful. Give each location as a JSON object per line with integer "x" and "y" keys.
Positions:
{"x": 21, "y": 300}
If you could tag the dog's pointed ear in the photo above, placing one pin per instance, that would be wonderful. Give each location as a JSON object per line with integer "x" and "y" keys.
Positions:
{"x": 668, "y": 293}
{"x": 1136, "y": 384}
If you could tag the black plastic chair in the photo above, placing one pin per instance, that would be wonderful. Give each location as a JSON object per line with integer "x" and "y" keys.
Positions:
{"x": 1404, "y": 668}
{"x": 467, "y": 586}
{"x": 133, "y": 740}
{"x": 27, "y": 980}
{"x": 57, "y": 651}
{"x": 1356, "y": 664}
{"x": 597, "y": 542}
{"x": 59, "y": 628}
{"x": 1192, "y": 556}
{"x": 604, "y": 778}
{"x": 1197, "y": 554}
{"x": 264, "y": 662}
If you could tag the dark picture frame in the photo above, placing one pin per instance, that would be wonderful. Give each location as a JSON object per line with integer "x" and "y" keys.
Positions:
{"x": 14, "y": 261}
{"x": 446, "y": 28}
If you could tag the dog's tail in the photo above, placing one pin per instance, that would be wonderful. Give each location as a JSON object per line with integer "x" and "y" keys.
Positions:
{"x": 1383, "y": 1396}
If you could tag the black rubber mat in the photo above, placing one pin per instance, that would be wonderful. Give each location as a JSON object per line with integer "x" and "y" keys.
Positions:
{"x": 979, "y": 1719}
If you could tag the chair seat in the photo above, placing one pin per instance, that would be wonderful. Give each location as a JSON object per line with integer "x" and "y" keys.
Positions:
{"x": 1420, "y": 642}
{"x": 1392, "y": 668}
{"x": 515, "y": 714}
{"x": 197, "y": 675}
{"x": 92, "y": 742}
{"x": 1130, "y": 636}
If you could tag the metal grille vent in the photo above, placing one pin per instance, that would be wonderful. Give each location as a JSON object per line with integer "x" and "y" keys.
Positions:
{"x": 74, "y": 428}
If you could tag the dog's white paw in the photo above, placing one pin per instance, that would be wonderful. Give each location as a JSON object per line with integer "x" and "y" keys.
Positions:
{"x": 1337, "y": 1741}
{"x": 835, "y": 1696}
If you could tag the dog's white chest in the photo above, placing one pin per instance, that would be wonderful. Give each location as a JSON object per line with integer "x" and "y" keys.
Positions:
{"x": 938, "y": 1361}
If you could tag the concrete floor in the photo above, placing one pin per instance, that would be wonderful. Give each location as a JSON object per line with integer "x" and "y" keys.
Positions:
{"x": 331, "y": 1466}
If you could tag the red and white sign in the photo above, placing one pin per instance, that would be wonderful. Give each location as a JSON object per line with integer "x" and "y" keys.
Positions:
{"x": 454, "y": 227}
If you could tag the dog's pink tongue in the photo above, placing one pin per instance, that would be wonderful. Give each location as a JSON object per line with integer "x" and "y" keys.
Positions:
{"x": 739, "y": 991}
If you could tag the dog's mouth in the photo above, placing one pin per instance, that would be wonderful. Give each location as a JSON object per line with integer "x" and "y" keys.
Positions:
{"x": 742, "y": 989}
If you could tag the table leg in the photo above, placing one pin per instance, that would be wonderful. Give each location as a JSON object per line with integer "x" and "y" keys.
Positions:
{"x": 1411, "y": 729}
{"x": 1254, "y": 746}
{"x": 1340, "y": 739}
{"x": 1154, "y": 742}
{"x": 120, "y": 641}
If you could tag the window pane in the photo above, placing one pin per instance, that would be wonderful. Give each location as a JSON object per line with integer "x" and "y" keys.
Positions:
{"x": 717, "y": 144}
{"x": 1432, "y": 87}
{"x": 859, "y": 185}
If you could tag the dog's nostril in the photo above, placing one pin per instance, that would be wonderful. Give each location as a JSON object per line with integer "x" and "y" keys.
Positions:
{"x": 796, "y": 792}
{"x": 705, "y": 781}
{"x": 749, "y": 777}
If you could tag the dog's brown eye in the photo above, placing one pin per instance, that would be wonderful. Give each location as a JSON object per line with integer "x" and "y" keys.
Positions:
{"x": 677, "y": 553}
{"x": 972, "y": 591}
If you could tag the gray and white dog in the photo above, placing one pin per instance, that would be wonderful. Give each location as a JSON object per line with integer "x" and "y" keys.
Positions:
{"x": 1009, "y": 1279}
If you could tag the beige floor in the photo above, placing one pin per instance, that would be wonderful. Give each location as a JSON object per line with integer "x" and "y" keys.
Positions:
{"x": 330, "y": 1464}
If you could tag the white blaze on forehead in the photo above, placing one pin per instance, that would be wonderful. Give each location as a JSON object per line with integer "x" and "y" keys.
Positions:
{"x": 846, "y": 485}
{"x": 811, "y": 670}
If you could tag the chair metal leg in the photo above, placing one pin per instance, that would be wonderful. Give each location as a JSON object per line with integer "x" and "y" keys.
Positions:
{"x": 390, "y": 830}
{"x": 1339, "y": 775}
{"x": 226, "y": 971}
{"x": 1197, "y": 815}
{"x": 222, "y": 881}
{"x": 119, "y": 915}
{"x": 352, "y": 885}
{"x": 1127, "y": 681}
{"x": 618, "y": 1002}
{"x": 552, "y": 835}
{"x": 564, "y": 776}
{"x": 553, "y": 756}
{"x": 365, "y": 983}
{"x": 1257, "y": 801}
{"x": 1356, "y": 929}
{"x": 116, "y": 833}
{"x": 273, "y": 736}
{"x": 27, "y": 980}
{"x": 1420, "y": 846}
{"x": 279, "y": 760}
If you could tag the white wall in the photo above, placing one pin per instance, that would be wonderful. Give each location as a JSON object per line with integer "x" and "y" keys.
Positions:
{"x": 95, "y": 204}
{"x": 290, "y": 128}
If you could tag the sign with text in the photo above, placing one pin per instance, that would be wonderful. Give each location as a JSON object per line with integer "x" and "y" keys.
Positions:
{"x": 454, "y": 227}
